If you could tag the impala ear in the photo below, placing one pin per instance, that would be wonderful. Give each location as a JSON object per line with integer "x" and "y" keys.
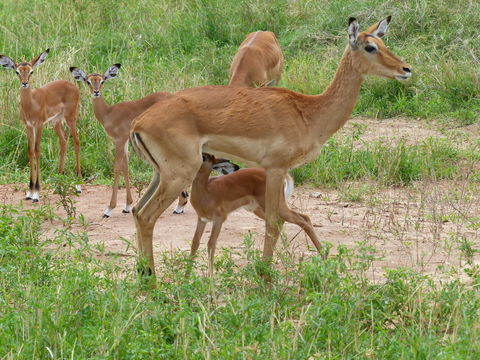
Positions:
{"x": 207, "y": 157}
{"x": 112, "y": 71}
{"x": 353, "y": 28}
{"x": 78, "y": 74}
{"x": 379, "y": 29}
{"x": 7, "y": 63}
{"x": 40, "y": 58}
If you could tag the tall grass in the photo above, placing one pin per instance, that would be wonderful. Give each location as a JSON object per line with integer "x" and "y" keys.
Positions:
{"x": 170, "y": 45}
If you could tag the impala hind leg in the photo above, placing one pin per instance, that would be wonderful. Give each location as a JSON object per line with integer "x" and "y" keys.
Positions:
{"x": 62, "y": 142}
{"x": 71, "y": 120}
{"x": 273, "y": 221}
{"x": 301, "y": 220}
{"x": 151, "y": 207}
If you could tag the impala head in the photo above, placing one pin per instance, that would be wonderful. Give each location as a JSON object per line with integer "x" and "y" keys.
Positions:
{"x": 95, "y": 80}
{"x": 23, "y": 69}
{"x": 371, "y": 56}
{"x": 221, "y": 165}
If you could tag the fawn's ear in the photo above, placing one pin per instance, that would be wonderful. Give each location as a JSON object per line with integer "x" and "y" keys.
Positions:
{"x": 40, "y": 58}
{"x": 112, "y": 71}
{"x": 353, "y": 28}
{"x": 379, "y": 29}
{"x": 207, "y": 157}
{"x": 6, "y": 62}
{"x": 78, "y": 74}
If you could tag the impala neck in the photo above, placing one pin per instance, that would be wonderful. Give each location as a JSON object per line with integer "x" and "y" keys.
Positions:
{"x": 334, "y": 106}
{"x": 26, "y": 99}
{"x": 100, "y": 108}
{"x": 201, "y": 180}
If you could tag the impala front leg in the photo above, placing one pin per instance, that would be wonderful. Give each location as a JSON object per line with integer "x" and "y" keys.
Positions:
{"x": 113, "y": 199}
{"x": 197, "y": 236}
{"x": 212, "y": 242}
{"x": 31, "y": 161}
{"x": 38, "y": 138}
{"x": 117, "y": 167}
{"x": 273, "y": 222}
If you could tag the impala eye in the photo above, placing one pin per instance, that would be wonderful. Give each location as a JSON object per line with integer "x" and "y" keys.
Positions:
{"x": 102, "y": 81}
{"x": 370, "y": 48}
{"x": 18, "y": 72}
{"x": 89, "y": 82}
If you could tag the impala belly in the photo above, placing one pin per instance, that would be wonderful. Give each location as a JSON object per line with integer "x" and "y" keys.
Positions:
{"x": 55, "y": 118}
{"x": 253, "y": 152}
{"x": 251, "y": 206}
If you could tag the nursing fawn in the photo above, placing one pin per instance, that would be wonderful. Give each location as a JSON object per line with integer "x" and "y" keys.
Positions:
{"x": 214, "y": 198}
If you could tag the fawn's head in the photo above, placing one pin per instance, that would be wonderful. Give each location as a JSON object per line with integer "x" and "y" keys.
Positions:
{"x": 95, "y": 80}
{"x": 221, "y": 165}
{"x": 370, "y": 56}
{"x": 23, "y": 69}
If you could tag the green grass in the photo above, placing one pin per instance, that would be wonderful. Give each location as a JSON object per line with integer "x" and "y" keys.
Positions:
{"x": 170, "y": 45}
{"x": 64, "y": 298}
{"x": 398, "y": 164}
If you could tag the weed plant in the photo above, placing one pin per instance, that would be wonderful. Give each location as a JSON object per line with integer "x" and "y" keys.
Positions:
{"x": 75, "y": 302}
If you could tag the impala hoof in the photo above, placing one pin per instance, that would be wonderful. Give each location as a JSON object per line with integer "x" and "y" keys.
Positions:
{"x": 28, "y": 197}
{"x": 178, "y": 210}
{"x": 125, "y": 211}
{"x": 107, "y": 213}
{"x": 35, "y": 196}
{"x": 144, "y": 271}
{"x": 78, "y": 189}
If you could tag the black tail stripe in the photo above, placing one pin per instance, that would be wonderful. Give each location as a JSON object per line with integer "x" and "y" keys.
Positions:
{"x": 139, "y": 138}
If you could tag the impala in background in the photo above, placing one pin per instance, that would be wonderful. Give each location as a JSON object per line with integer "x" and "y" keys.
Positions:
{"x": 117, "y": 120}
{"x": 53, "y": 102}
{"x": 258, "y": 61}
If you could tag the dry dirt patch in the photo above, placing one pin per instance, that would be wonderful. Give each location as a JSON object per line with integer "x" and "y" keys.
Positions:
{"x": 391, "y": 130}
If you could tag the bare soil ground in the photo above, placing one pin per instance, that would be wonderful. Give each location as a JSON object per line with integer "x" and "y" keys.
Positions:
{"x": 421, "y": 226}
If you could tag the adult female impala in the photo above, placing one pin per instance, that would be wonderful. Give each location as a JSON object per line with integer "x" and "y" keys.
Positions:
{"x": 117, "y": 120}
{"x": 55, "y": 102}
{"x": 274, "y": 128}
{"x": 258, "y": 61}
